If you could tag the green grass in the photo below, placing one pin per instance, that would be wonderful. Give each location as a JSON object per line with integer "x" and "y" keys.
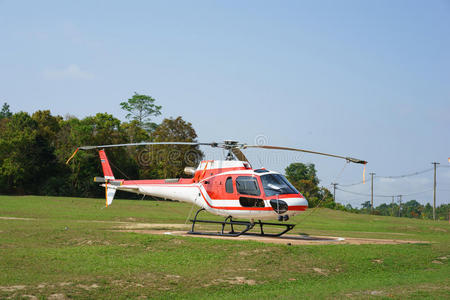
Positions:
{"x": 60, "y": 250}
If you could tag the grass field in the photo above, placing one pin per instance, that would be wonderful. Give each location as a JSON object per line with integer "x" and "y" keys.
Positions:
{"x": 67, "y": 248}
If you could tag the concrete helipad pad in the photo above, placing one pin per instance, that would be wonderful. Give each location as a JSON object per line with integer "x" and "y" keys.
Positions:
{"x": 285, "y": 239}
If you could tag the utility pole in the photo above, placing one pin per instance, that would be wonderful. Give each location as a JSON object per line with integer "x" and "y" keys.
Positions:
{"x": 392, "y": 206}
{"x": 434, "y": 191}
{"x": 400, "y": 206}
{"x": 334, "y": 191}
{"x": 371, "y": 188}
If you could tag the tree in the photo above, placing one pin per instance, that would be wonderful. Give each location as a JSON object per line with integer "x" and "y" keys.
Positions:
{"x": 427, "y": 212}
{"x": 142, "y": 108}
{"x": 304, "y": 178}
{"x": 170, "y": 161}
{"x": 412, "y": 209}
{"x": 48, "y": 125}
{"x": 26, "y": 157}
{"x": 300, "y": 171}
{"x": 135, "y": 132}
{"x": 366, "y": 205}
{"x": 5, "y": 112}
{"x": 100, "y": 129}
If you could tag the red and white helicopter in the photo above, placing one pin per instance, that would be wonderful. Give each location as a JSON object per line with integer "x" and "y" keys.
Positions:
{"x": 229, "y": 188}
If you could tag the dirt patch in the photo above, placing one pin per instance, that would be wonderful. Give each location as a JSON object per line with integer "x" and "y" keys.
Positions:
{"x": 88, "y": 287}
{"x": 65, "y": 283}
{"x": 57, "y": 297}
{"x": 438, "y": 229}
{"x": 12, "y": 288}
{"x": 153, "y": 226}
{"x": 240, "y": 280}
{"x": 286, "y": 239}
{"x": 15, "y": 218}
{"x": 364, "y": 294}
{"x": 381, "y": 232}
{"x": 84, "y": 242}
{"x": 377, "y": 261}
{"x": 233, "y": 281}
{"x": 321, "y": 271}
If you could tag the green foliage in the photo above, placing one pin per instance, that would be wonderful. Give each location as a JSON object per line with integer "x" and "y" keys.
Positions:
{"x": 141, "y": 108}
{"x": 304, "y": 178}
{"x": 366, "y": 205}
{"x": 5, "y": 112}
{"x": 100, "y": 129}
{"x": 170, "y": 161}
{"x": 26, "y": 156}
{"x": 300, "y": 171}
{"x": 410, "y": 209}
{"x": 34, "y": 150}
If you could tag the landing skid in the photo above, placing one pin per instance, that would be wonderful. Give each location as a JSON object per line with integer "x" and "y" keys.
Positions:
{"x": 248, "y": 226}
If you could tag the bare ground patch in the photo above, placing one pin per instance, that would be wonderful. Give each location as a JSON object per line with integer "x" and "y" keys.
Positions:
{"x": 231, "y": 281}
{"x": 17, "y": 218}
{"x": 401, "y": 291}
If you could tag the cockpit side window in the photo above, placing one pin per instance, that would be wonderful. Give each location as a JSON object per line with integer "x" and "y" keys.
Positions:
{"x": 229, "y": 185}
{"x": 247, "y": 185}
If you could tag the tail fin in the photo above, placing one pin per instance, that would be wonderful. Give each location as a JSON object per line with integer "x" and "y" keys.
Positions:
{"x": 110, "y": 190}
{"x": 107, "y": 172}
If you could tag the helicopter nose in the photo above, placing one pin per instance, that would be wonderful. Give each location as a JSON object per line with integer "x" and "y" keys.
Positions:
{"x": 302, "y": 202}
{"x": 298, "y": 204}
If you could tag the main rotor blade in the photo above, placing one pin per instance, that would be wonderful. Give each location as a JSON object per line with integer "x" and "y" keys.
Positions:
{"x": 238, "y": 153}
{"x": 349, "y": 159}
{"x": 147, "y": 143}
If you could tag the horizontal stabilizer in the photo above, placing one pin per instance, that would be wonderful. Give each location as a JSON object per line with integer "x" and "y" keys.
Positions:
{"x": 108, "y": 181}
{"x": 100, "y": 179}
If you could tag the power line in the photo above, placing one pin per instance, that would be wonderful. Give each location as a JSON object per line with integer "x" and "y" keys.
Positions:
{"x": 352, "y": 184}
{"x": 362, "y": 194}
{"x": 392, "y": 176}
{"x": 382, "y": 196}
{"x": 407, "y": 175}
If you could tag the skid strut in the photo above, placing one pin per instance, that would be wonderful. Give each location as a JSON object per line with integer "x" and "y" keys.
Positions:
{"x": 248, "y": 226}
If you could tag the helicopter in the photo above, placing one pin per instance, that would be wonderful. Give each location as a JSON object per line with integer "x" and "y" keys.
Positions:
{"x": 230, "y": 188}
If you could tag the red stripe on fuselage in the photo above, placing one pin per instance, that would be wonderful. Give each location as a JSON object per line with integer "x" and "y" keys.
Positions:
{"x": 290, "y": 208}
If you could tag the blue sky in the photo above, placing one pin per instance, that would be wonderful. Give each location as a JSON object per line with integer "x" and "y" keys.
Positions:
{"x": 369, "y": 79}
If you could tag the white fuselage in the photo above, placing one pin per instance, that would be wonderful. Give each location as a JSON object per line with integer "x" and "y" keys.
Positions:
{"x": 207, "y": 193}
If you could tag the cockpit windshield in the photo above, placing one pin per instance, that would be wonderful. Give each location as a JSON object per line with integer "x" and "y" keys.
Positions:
{"x": 277, "y": 184}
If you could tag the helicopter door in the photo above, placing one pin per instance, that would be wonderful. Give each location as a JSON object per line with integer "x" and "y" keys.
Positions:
{"x": 248, "y": 187}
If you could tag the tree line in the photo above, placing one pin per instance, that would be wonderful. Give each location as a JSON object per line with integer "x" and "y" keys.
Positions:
{"x": 409, "y": 209}
{"x": 34, "y": 149}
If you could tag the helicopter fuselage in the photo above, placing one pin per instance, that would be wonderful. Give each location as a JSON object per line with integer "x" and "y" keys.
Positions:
{"x": 227, "y": 188}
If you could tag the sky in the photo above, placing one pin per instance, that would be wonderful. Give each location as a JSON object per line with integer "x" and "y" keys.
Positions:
{"x": 368, "y": 79}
